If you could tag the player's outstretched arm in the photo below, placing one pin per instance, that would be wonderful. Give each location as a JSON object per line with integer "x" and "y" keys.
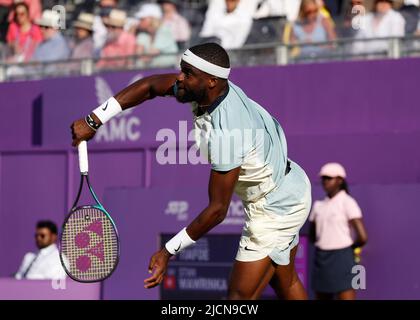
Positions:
{"x": 145, "y": 89}
{"x": 135, "y": 94}
{"x": 221, "y": 188}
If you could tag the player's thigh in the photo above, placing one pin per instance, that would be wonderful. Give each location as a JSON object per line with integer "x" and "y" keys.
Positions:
{"x": 247, "y": 277}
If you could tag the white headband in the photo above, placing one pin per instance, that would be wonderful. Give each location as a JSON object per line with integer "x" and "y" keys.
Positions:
{"x": 205, "y": 66}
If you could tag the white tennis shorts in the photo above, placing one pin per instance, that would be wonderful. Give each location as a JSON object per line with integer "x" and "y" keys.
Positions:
{"x": 269, "y": 234}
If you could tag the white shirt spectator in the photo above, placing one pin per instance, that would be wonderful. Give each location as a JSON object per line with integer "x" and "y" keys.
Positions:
{"x": 412, "y": 3}
{"x": 287, "y": 8}
{"x": 392, "y": 24}
{"x": 231, "y": 28}
{"x": 99, "y": 33}
{"x": 43, "y": 265}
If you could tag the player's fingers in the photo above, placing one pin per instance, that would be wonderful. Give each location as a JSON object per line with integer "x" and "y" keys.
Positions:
{"x": 152, "y": 263}
{"x": 156, "y": 275}
{"x": 156, "y": 281}
{"x": 150, "y": 281}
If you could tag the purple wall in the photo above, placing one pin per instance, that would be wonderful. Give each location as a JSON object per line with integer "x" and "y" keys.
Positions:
{"x": 12, "y": 289}
{"x": 363, "y": 114}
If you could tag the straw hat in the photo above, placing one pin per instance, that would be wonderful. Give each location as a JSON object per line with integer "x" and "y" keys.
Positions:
{"x": 116, "y": 18}
{"x": 84, "y": 21}
{"x": 49, "y": 19}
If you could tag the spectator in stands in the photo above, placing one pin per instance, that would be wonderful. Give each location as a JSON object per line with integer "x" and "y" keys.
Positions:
{"x": 35, "y": 9}
{"x": 333, "y": 222}
{"x": 228, "y": 20}
{"x": 324, "y": 10}
{"x": 119, "y": 43}
{"x": 179, "y": 26}
{"x": 45, "y": 263}
{"x": 311, "y": 27}
{"x": 54, "y": 46}
{"x": 381, "y": 23}
{"x": 410, "y": 11}
{"x": 99, "y": 30}
{"x": 155, "y": 38}
{"x": 83, "y": 46}
{"x": 23, "y": 36}
{"x": 286, "y": 8}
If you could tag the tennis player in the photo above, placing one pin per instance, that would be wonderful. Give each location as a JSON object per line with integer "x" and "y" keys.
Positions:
{"x": 247, "y": 150}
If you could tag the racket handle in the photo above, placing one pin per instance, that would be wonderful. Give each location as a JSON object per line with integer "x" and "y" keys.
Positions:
{"x": 83, "y": 157}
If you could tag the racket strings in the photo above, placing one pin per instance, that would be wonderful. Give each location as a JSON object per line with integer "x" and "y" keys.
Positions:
{"x": 89, "y": 245}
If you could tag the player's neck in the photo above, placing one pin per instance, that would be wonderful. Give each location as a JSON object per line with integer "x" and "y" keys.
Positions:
{"x": 212, "y": 97}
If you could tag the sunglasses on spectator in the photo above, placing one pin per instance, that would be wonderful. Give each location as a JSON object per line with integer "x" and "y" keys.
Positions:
{"x": 308, "y": 12}
{"x": 326, "y": 178}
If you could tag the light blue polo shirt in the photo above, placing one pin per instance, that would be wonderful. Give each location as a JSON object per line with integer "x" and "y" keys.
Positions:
{"x": 235, "y": 131}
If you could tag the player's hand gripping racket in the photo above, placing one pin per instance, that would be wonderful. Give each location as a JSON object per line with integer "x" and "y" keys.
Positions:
{"x": 89, "y": 244}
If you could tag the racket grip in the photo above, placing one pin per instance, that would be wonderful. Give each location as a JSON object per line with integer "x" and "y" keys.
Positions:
{"x": 83, "y": 157}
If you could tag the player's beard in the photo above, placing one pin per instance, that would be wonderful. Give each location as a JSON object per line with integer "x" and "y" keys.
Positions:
{"x": 190, "y": 96}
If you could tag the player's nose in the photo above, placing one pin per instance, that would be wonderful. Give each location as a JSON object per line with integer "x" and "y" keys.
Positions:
{"x": 180, "y": 77}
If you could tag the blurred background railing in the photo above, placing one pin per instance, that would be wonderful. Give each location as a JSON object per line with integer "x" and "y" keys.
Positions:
{"x": 249, "y": 55}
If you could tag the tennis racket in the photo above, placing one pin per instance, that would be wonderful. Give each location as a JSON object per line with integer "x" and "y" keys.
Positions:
{"x": 89, "y": 243}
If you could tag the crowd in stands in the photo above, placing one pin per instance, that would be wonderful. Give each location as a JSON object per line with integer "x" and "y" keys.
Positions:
{"x": 31, "y": 30}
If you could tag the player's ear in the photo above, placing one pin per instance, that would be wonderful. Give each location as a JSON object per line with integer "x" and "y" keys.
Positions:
{"x": 213, "y": 82}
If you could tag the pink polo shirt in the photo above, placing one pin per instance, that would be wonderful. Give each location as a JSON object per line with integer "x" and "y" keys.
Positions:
{"x": 26, "y": 41}
{"x": 331, "y": 217}
{"x": 124, "y": 46}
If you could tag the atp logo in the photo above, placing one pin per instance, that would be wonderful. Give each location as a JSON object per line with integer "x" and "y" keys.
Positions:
{"x": 83, "y": 240}
{"x": 123, "y": 127}
{"x": 178, "y": 209}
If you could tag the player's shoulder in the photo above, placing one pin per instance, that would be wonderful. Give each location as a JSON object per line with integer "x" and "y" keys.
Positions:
{"x": 230, "y": 112}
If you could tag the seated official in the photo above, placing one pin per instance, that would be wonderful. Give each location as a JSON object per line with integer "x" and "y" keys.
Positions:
{"x": 44, "y": 264}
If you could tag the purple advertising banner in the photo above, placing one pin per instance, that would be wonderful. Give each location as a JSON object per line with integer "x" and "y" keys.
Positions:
{"x": 362, "y": 114}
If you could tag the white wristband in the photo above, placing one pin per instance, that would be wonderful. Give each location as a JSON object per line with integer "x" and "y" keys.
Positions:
{"x": 179, "y": 242}
{"x": 107, "y": 110}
